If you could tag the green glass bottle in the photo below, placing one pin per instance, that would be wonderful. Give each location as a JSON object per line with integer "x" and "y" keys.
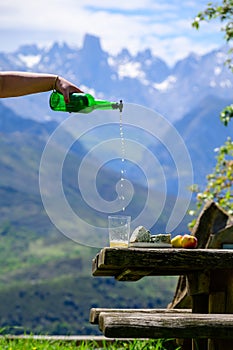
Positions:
{"x": 80, "y": 102}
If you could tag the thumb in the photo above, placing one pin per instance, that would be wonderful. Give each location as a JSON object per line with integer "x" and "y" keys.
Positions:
{"x": 66, "y": 96}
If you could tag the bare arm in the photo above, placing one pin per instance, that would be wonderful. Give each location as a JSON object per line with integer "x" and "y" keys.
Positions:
{"x": 13, "y": 84}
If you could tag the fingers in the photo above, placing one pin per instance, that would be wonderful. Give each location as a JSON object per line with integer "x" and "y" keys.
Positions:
{"x": 66, "y": 88}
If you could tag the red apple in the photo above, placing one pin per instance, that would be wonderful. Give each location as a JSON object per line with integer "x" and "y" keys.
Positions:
{"x": 189, "y": 241}
{"x": 176, "y": 241}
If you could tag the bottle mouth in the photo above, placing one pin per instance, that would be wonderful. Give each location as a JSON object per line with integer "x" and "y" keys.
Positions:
{"x": 121, "y": 106}
{"x": 118, "y": 105}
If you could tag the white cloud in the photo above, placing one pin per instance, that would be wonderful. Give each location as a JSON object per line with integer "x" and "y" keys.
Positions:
{"x": 165, "y": 28}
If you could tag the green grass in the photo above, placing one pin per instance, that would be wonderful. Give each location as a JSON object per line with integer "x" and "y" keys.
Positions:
{"x": 31, "y": 343}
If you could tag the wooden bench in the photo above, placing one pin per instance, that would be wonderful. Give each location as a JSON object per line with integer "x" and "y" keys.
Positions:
{"x": 95, "y": 312}
{"x": 205, "y": 285}
{"x": 157, "y": 325}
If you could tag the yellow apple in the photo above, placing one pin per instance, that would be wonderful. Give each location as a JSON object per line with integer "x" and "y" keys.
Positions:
{"x": 176, "y": 241}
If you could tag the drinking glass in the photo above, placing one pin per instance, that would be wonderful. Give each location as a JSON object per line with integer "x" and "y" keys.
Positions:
{"x": 119, "y": 230}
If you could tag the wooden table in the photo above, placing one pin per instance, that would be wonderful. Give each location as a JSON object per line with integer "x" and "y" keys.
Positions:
{"x": 210, "y": 279}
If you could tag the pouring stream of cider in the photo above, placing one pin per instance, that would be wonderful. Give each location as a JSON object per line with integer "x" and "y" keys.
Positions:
{"x": 122, "y": 179}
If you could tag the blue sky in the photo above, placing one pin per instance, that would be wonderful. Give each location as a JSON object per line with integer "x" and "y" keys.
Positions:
{"x": 164, "y": 26}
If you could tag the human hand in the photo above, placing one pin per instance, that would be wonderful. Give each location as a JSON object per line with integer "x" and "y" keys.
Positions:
{"x": 65, "y": 87}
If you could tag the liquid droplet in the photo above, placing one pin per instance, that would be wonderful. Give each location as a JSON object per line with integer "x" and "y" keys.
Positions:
{"x": 121, "y": 197}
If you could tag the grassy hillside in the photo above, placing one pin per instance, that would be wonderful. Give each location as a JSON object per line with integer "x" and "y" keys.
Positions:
{"x": 62, "y": 306}
{"x": 46, "y": 285}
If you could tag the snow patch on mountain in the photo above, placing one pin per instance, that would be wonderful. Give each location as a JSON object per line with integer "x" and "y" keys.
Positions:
{"x": 131, "y": 70}
{"x": 166, "y": 84}
{"x": 30, "y": 60}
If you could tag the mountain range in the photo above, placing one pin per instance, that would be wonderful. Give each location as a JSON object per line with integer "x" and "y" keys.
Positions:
{"x": 189, "y": 94}
{"x": 142, "y": 78}
{"x": 36, "y": 259}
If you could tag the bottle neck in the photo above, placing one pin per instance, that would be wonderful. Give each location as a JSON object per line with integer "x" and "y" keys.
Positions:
{"x": 101, "y": 104}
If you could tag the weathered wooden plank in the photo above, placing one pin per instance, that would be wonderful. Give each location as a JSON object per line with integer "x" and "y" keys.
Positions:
{"x": 217, "y": 302}
{"x": 95, "y": 312}
{"x": 132, "y": 275}
{"x": 96, "y": 271}
{"x": 181, "y": 299}
{"x": 211, "y": 219}
{"x": 224, "y": 236}
{"x": 162, "y": 325}
{"x": 162, "y": 261}
{"x": 198, "y": 282}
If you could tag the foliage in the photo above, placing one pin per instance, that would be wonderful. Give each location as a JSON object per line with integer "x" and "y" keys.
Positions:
{"x": 226, "y": 115}
{"x": 32, "y": 343}
{"x": 223, "y": 12}
{"x": 219, "y": 183}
